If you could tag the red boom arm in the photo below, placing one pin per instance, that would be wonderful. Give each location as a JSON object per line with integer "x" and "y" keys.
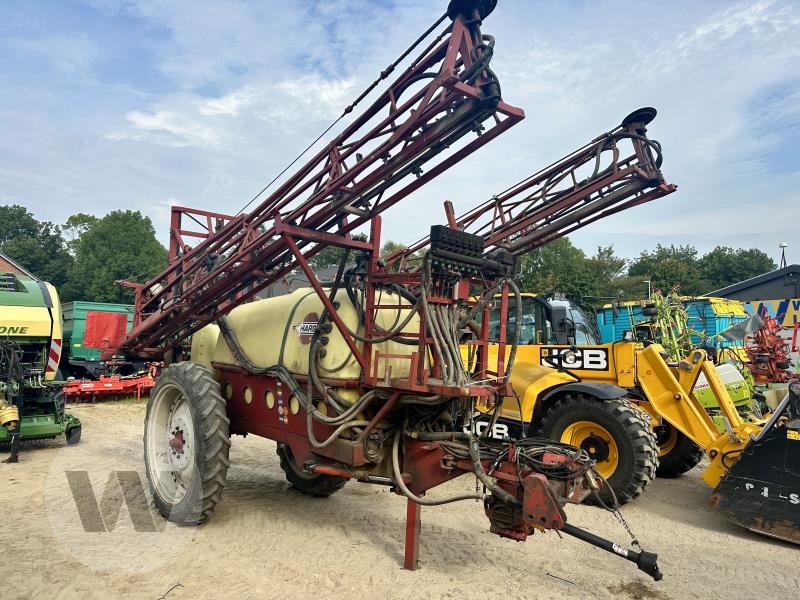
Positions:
{"x": 615, "y": 171}
{"x": 421, "y": 119}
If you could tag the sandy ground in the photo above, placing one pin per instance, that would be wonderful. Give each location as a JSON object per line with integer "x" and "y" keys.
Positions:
{"x": 268, "y": 541}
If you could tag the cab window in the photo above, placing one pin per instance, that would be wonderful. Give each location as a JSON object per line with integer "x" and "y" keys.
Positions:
{"x": 585, "y": 333}
{"x": 533, "y": 329}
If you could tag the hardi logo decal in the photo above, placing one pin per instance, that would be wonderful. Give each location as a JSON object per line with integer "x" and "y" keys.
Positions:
{"x": 307, "y": 328}
{"x": 591, "y": 359}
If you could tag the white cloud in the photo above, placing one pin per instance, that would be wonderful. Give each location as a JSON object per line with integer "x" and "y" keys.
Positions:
{"x": 227, "y": 105}
{"x": 314, "y": 97}
{"x": 168, "y": 128}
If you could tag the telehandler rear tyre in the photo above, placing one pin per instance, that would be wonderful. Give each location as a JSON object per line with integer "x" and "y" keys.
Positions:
{"x": 319, "y": 486}
{"x": 677, "y": 454}
{"x": 616, "y": 434}
{"x": 186, "y": 443}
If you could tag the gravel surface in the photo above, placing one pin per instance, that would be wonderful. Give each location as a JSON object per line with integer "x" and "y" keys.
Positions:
{"x": 268, "y": 541}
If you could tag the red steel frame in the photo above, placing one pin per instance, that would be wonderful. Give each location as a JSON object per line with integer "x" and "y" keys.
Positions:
{"x": 361, "y": 173}
{"x": 554, "y": 202}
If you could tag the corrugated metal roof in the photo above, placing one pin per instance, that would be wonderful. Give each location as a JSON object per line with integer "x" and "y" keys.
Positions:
{"x": 780, "y": 283}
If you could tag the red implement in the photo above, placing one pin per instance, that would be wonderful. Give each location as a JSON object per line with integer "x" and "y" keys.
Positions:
{"x": 108, "y": 386}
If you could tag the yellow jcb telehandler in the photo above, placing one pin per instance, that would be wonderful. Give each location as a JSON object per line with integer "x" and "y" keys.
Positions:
{"x": 754, "y": 465}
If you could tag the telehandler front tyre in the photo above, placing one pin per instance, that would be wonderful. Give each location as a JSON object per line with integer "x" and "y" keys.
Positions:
{"x": 319, "y": 486}
{"x": 615, "y": 434}
{"x": 677, "y": 453}
{"x": 186, "y": 443}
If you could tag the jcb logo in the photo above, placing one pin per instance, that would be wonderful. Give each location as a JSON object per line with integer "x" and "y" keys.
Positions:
{"x": 499, "y": 430}
{"x": 590, "y": 359}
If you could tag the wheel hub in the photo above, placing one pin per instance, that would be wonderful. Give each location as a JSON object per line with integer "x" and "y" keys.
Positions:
{"x": 178, "y": 443}
{"x": 596, "y": 447}
{"x": 596, "y": 441}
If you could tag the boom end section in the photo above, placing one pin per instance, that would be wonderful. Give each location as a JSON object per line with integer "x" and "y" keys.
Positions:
{"x": 467, "y": 9}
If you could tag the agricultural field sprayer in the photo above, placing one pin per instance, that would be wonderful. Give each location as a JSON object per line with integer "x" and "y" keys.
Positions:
{"x": 362, "y": 378}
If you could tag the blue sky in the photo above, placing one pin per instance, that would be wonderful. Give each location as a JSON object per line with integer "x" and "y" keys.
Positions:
{"x": 108, "y": 104}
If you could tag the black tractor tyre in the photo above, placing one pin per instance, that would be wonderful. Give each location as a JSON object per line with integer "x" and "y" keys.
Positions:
{"x": 630, "y": 430}
{"x": 684, "y": 456}
{"x": 73, "y": 435}
{"x": 319, "y": 486}
{"x": 209, "y": 428}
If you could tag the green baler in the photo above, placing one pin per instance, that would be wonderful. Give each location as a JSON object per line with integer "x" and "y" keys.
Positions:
{"x": 31, "y": 402}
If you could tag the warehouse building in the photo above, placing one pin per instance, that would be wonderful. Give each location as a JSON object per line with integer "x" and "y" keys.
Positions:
{"x": 776, "y": 292}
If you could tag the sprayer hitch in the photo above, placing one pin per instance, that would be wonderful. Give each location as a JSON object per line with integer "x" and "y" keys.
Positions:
{"x": 646, "y": 561}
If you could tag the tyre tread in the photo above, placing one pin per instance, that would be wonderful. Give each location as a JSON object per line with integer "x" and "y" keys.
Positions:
{"x": 213, "y": 425}
{"x": 635, "y": 423}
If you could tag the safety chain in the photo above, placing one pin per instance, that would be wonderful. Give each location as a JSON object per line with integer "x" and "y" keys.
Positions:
{"x": 627, "y": 527}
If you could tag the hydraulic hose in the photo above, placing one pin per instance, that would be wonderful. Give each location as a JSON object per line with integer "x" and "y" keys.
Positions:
{"x": 398, "y": 479}
{"x": 477, "y": 468}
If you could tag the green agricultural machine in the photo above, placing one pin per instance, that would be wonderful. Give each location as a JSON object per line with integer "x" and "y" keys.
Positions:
{"x": 31, "y": 404}
{"x": 88, "y": 328}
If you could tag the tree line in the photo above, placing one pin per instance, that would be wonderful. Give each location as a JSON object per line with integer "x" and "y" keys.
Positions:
{"x": 560, "y": 266}
{"x": 87, "y": 255}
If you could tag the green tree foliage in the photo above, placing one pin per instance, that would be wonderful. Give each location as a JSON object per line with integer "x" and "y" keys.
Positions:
{"x": 332, "y": 255}
{"x": 390, "y": 247}
{"x": 668, "y": 266}
{"x": 724, "y": 266}
{"x": 16, "y": 222}
{"x": 593, "y": 280}
{"x": 75, "y": 227}
{"x": 558, "y": 266}
{"x": 611, "y": 279}
{"x": 120, "y": 245}
{"x": 37, "y": 246}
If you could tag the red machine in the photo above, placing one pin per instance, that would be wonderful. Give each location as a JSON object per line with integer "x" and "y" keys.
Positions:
{"x": 401, "y": 419}
{"x": 108, "y": 386}
{"x": 769, "y": 353}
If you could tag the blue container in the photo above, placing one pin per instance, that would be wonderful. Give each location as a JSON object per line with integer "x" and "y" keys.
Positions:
{"x": 707, "y": 314}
